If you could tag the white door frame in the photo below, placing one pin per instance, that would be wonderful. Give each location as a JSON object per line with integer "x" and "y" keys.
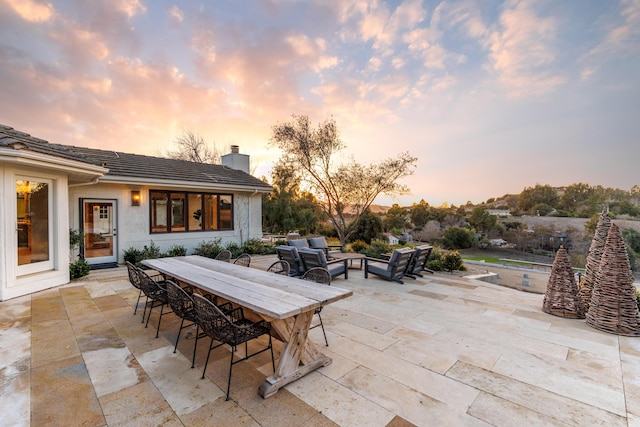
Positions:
{"x": 107, "y": 231}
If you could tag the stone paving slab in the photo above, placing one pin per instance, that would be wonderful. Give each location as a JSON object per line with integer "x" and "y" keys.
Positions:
{"x": 441, "y": 350}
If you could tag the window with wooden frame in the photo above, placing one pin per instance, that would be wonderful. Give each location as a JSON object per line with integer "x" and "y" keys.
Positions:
{"x": 179, "y": 211}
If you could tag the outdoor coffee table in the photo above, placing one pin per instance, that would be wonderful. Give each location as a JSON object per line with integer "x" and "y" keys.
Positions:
{"x": 350, "y": 256}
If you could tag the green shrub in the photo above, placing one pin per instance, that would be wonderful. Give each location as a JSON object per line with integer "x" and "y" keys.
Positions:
{"x": 459, "y": 238}
{"x": 176, "y": 250}
{"x": 133, "y": 255}
{"x": 80, "y": 268}
{"x": 435, "y": 264}
{"x": 208, "y": 249}
{"x": 435, "y": 260}
{"x": 150, "y": 252}
{"x": 377, "y": 248}
{"x": 453, "y": 261}
{"x": 234, "y": 248}
{"x": 258, "y": 247}
{"x": 76, "y": 238}
{"x": 445, "y": 261}
{"x": 358, "y": 246}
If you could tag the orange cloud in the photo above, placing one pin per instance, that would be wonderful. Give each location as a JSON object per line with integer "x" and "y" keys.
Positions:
{"x": 32, "y": 11}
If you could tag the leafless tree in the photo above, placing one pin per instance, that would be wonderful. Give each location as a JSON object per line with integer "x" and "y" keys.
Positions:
{"x": 193, "y": 148}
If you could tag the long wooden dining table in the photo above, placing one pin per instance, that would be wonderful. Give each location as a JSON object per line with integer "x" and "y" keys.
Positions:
{"x": 286, "y": 302}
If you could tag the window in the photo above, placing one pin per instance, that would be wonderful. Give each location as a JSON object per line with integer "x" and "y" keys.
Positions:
{"x": 33, "y": 214}
{"x": 177, "y": 212}
{"x": 181, "y": 211}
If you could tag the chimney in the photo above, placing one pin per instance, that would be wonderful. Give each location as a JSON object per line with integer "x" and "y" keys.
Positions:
{"x": 235, "y": 160}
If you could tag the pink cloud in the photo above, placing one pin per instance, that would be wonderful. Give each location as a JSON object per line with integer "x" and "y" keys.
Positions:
{"x": 522, "y": 49}
{"x": 32, "y": 11}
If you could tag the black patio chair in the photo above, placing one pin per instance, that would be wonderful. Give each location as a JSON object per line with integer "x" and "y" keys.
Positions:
{"x": 225, "y": 255}
{"x": 279, "y": 267}
{"x": 134, "y": 278}
{"x": 291, "y": 255}
{"x": 232, "y": 329}
{"x": 298, "y": 243}
{"x": 419, "y": 261}
{"x": 322, "y": 276}
{"x": 243, "y": 260}
{"x": 315, "y": 258}
{"x": 156, "y": 293}
{"x": 182, "y": 305}
{"x": 393, "y": 269}
{"x": 321, "y": 243}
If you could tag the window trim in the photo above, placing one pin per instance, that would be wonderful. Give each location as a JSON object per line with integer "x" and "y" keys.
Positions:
{"x": 49, "y": 263}
{"x": 186, "y": 209}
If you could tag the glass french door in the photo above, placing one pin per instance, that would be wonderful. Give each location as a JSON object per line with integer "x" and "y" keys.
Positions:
{"x": 100, "y": 233}
{"x": 34, "y": 230}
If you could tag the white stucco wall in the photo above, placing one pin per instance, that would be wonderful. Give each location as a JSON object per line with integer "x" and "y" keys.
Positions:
{"x": 14, "y": 282}
{"x": 132, "y": 222}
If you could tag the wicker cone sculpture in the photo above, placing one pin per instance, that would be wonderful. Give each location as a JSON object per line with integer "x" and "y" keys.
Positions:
{"x": 593, "y": 259}
{"x": 613, "y": 306}
{"x": 562, "y": 297}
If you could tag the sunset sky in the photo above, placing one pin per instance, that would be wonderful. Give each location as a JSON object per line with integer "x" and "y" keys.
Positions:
{"x": 491, "y": 96}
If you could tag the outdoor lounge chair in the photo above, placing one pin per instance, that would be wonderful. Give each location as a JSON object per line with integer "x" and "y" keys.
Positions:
{"x": 298, "y": 243}
{"x": 291, "y": 255}
{"x": 393, "y": 269}
{"x": 315, "y": 258}
{"x": 321, "y": 243}
{"x": 418, "y": 262}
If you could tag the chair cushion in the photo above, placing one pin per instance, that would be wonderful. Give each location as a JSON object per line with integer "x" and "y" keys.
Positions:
{"x": 379, "y": 268}
{"x": 336, "y": 269}
{"x": 298, "y": 243}
{"x": 318, "y": 242}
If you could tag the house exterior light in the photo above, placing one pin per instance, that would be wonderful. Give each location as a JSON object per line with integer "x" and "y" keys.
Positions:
{"x": 135, "y": 198}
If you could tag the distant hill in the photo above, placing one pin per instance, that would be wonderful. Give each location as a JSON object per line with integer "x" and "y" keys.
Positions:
{"x": 377, "y": 209}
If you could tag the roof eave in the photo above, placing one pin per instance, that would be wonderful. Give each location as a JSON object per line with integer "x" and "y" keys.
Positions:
{"x": 182, "y": 184}
{"x": 30, "y": 158}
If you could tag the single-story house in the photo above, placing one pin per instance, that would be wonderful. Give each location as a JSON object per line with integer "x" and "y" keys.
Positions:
{"x": 393, "y": 240}
{"x": 118, "y": 200}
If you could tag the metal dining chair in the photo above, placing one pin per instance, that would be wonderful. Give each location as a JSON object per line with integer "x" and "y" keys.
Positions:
{"x": 319, "y": 275}
{"x": 232, "y": 329}
{"x": 279, "y": 267}
{"x": 225, "y": 255}
{"x": 243, "y": 260}
{"x": 156, "y": 293}
{"x": 134, "y": 278}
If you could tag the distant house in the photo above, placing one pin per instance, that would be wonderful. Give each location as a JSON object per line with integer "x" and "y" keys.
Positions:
{"x": 119, "y": 200}
{"x": 499, "y": 212}
{"x": 393, "y": 240}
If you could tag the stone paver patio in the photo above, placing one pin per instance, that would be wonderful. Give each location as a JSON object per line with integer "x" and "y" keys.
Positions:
{"x": 442, "y": 350}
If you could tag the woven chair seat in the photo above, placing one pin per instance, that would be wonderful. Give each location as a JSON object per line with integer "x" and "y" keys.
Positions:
{"x": 279, "y": 267}
{"x": 230, "y": 328}
{"x": 134, "y": 279}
